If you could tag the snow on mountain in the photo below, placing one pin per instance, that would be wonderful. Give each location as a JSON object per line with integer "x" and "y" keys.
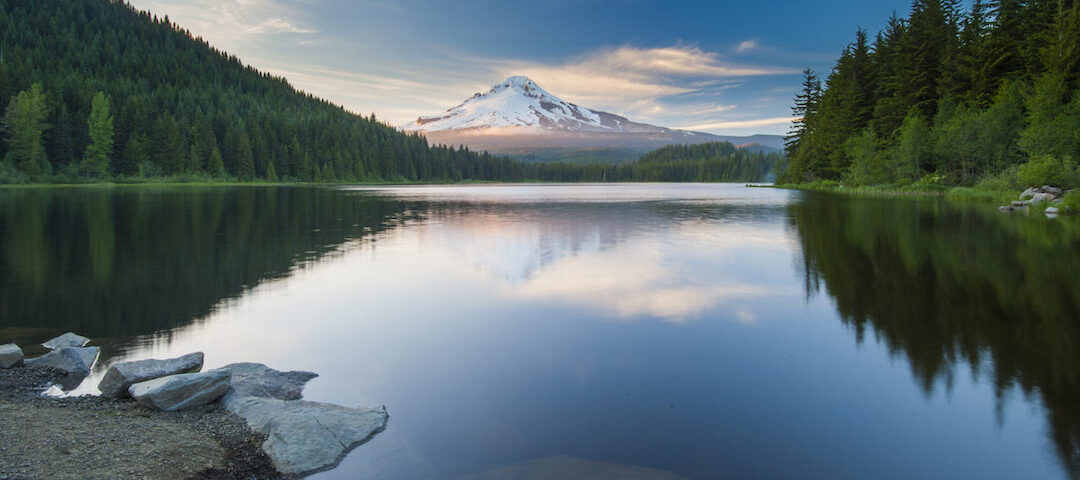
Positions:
{"x": 520, "y": 102}
{"x": 517, "y": 117}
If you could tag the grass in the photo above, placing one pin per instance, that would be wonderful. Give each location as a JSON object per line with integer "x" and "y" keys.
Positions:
{"x": 953, "y": 194}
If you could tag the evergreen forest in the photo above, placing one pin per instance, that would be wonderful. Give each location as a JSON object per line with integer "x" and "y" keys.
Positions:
{"x": 957, "y": 93}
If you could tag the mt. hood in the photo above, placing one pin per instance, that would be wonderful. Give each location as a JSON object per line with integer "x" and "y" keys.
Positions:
{"x": 519, "y": 117}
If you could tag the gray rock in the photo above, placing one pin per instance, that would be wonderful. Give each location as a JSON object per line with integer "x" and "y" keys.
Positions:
{"x": 1020, "y": 203}
{"x": 1005, "y": 209}
{"x": 1041, "y": 197}
{"x": 1029, "y": 193}
{"x": 307, "y": 437}
{"x": 68, "y": 339}
{"x": 72, "y": 360}
{"x": 10, "y": 355}
{"x": 122, "y": 375}
{"x": 177, "y": 392}
{"x": 1057, "y": 192}
{"x": 258, "y": 380}
{"x": 1051, "y": 211}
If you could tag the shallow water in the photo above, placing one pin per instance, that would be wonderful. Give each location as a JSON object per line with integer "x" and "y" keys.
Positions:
{"x": 634, "y": 331}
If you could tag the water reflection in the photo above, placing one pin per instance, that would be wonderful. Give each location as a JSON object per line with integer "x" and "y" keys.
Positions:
{"x": 952, "y": 288}
{"x": 698, "y": 331}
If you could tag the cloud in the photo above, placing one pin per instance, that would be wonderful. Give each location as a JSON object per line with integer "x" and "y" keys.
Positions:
{"x": 637, "y": 82}
{"x": 232, "y": 24}
{"x": 760, "y": 122}
{"x": 747, "y": 46}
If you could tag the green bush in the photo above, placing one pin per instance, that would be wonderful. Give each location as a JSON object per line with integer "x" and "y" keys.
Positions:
{"x": 1071, "y": 202}
{"x": 1049, "y": 170}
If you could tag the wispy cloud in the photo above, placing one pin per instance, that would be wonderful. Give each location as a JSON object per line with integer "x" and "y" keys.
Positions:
{"x": 747, "y": 46}
{"x": 638, "y": 82}
{"x": 232, "y": 23}
{"x": 758, "y": 122}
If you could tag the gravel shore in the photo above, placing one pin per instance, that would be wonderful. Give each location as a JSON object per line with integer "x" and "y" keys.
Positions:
{"x": 100, "y": 438}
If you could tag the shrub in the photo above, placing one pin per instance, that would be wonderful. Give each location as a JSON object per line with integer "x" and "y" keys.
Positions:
{"x": 1049, "y": 170}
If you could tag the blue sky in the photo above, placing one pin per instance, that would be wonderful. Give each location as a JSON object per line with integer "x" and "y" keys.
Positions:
{"x": 721, "y": 67}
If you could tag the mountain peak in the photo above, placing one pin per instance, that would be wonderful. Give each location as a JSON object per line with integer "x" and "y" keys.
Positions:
{"x": 516, "y": 102}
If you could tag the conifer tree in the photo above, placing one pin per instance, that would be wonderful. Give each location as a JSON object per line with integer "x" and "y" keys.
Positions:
{"x": 24, "y": 127}
{"x": 96, "y": 160}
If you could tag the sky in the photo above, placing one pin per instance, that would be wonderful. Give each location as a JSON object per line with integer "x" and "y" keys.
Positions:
{"x": 724, "y": 67}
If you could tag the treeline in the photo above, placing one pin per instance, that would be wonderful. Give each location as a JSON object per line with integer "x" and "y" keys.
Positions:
{"x": 97, "y": 90}
{"x": 707, "y": 162}
{"x": 986, "y": 94}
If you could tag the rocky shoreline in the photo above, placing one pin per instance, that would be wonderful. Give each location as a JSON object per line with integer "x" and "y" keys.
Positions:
{"x": 167, "y": 419}
{"x": 93, "y": 437}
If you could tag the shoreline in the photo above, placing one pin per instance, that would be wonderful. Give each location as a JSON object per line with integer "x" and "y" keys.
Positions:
{"x": 92, "y": 437}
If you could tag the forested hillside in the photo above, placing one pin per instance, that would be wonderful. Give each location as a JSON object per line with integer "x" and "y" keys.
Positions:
{"x": 708, "y": 162}
{"x": 955, "y": 95}
{"x": 97, "y": 90}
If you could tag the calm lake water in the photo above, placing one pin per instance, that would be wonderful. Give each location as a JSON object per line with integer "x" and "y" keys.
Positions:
{"x": 634, "y": 331}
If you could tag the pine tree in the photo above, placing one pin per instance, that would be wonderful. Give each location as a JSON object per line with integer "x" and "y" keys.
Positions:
{"x": 805, "y": 107}
{"x": 24, "y": 126}
{"x": 96, "y": 160}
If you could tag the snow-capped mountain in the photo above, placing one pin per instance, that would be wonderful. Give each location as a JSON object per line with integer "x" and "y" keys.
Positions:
{"x": 520, "y": 102}
{"x": 518, "y": 117}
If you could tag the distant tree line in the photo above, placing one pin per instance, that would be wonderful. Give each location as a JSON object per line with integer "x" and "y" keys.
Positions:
{"x": 96, "y": 90}
{"x": 950, "y": 95}
{"x": 707, "y": 162}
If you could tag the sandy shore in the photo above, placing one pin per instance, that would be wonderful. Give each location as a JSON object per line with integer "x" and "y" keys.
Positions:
{"x": 99, "y": 438}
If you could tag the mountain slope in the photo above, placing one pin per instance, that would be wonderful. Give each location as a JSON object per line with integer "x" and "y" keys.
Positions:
{"x": 519, "y": 117}
{"x": 185, "y": 110}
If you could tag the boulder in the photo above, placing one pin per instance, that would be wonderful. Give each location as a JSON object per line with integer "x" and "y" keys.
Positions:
{"x": 1052, "y": 211}
{"x": 66, "y": 340}
{"x": 1029, "y": 193}
{"x": 10, "y": 355}
{"x": 122, "y": 375}
{"x": 177, "y": 392}
{"x": 307, "y": 437}
{"x": 1041, "y": 197}
{"x": 1005, "y": 209}
{"x": 72, "y": 360}
{"x": 1020, "y": 203}
{"x": 1057, "y": 192}
{"x": 258, "y": 380}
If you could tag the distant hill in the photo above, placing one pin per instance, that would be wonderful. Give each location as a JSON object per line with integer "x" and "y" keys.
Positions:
{"x": 520, "y": 118}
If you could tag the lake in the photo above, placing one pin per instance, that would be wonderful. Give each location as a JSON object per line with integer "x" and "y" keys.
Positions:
{"x": 553, "y": 331}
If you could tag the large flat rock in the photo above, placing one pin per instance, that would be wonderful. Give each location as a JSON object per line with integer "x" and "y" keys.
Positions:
{"x": 177, "y": 392}
{"x": 307, "y": 437}
{"x": 122, "y": 375}
{"x": 68, "y": 339}
{"x": 72, "y": 360}
{"x": 258, "y": 380}
{"x": 10, "y": 355}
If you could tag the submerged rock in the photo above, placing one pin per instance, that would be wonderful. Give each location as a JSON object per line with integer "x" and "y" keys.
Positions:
{"x": 125, "y": 374}
{"x": 68, "y": 339}
{"x": 307, "y": 437}
{"x": 177, "y": 392}
{"x": 10, "y": 355}
{"x": 72, "y": 360}
{"x": 258, "y": 380}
